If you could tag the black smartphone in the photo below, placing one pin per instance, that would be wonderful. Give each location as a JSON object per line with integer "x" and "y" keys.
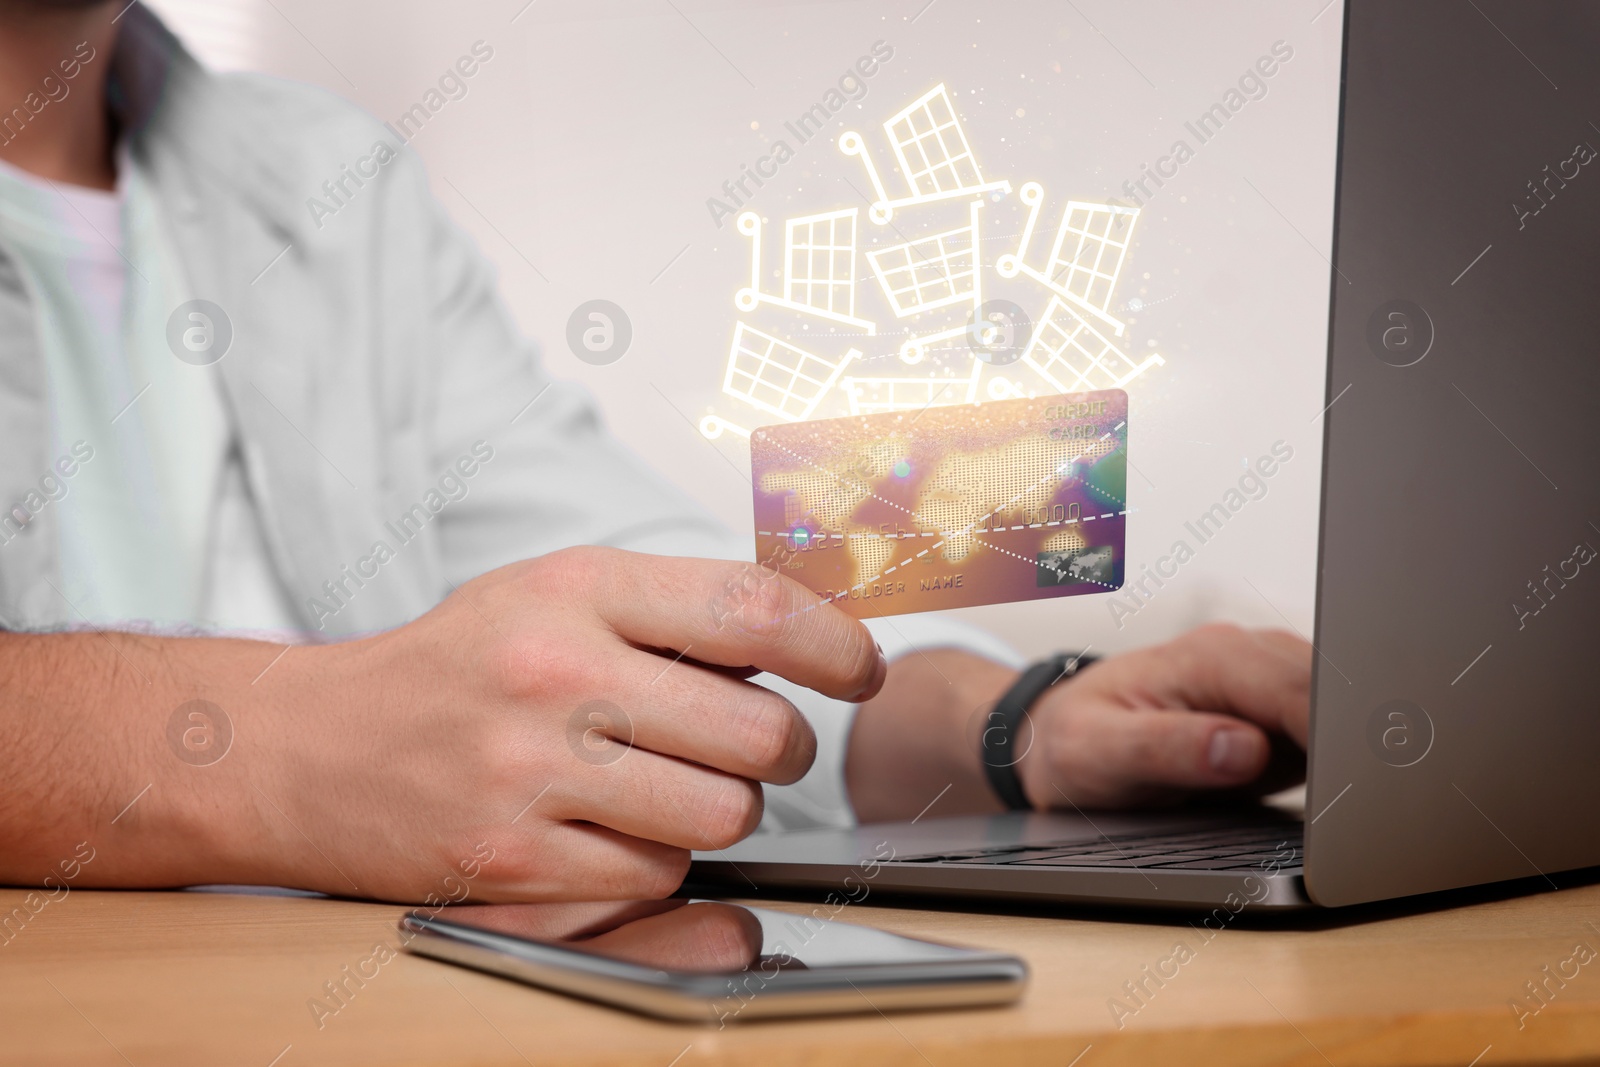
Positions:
{"x": 710, "y": 961}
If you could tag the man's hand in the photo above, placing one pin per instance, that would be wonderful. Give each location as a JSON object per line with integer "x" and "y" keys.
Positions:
{"x": 1219, "y": 708}
{"x": 1207, "y": 711}
{"x": 567, "y": 727}
{"x": 586, "y": 714}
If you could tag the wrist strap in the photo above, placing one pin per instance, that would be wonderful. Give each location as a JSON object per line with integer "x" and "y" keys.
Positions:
{"x": 998, "y": 750}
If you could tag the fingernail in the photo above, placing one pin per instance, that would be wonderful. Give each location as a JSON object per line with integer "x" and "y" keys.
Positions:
{"x": 879, "y": 674}
{"x": 1232, "y": 753}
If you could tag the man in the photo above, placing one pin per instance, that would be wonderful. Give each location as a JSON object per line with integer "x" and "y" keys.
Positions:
{"x": 347, "y": 440}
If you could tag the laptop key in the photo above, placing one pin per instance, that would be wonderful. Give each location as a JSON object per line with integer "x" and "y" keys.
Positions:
{"x": 1244, "y": 847}
{"x": 1272, "y": 859}
{"x": 1218, "y": 863}
{"x": 1082, "y": 861}
{"x": 1250, "y": 853}
{"x": 968, "y": 854}
{"x": 1012, "y": 857}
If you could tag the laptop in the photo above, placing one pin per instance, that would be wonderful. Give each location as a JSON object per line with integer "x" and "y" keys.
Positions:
{"x": 1455, "y": 716}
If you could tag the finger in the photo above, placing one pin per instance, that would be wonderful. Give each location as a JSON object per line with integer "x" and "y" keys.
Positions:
{"x": 1225, "y": 668}
{"x": 1301, "y": 657}
{"x": 673, "y": 656}
{"x": 728, "y": 672}
{"x": 1113, "y": 756}
{"x": 706, "y": 936}
{"x": 1286, "y": 767}
{"x": 658, "y": 798}
{"x": 580, "y": 861}
{"x": 698, "y": 714}
{"x": 1288, "y": 644}
{"x": 734, "y": 615}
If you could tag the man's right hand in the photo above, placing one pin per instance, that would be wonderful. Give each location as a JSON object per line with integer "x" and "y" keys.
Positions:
{"x": 567, "y": 727}
{"x": 586, "y": 716}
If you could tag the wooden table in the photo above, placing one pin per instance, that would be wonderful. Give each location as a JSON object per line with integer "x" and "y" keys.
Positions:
{"x": 175, "y": 979}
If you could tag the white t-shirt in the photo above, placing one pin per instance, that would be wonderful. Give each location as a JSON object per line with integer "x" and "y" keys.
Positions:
{"x": 159, "y": 529}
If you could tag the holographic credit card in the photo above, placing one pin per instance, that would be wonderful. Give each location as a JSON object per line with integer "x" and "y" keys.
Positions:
{"x": 947, "y": 507}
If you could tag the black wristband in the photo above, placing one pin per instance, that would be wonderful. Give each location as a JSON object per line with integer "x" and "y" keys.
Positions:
{"x": 997, "y": 748}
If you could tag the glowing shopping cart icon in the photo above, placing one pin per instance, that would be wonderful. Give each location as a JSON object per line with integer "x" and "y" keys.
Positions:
{"x": 777, "y": 377}
{"x": 1068, "y": 352}
{"x": 1087, "y": 257}
{"x": 870, "y": 396}
{"x": 933, "y": 154}
{"x": 819, "y": 267}
{"x": 929, "y": 273}
{"x": 714, "y": 426}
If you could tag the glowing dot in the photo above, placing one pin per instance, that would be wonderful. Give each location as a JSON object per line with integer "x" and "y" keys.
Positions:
{"x": 801, "y": 535}
{"x": 1021, "y": 113}
{"x": 902, "y": 469}
{"x": 1135, "y": 304}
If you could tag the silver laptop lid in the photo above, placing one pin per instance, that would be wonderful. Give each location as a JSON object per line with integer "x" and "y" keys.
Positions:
{"x": 1456, "y": 689}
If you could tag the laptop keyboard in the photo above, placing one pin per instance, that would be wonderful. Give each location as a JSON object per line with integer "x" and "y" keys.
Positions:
{"x": 1265, "y": 849}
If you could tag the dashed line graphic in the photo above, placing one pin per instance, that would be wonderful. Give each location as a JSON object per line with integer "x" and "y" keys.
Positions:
{"x": 943, "y": 536}
{"x": 1036, "y": 563}
{"x": 1059, "y": 472}
{"x": 908, "y": 534}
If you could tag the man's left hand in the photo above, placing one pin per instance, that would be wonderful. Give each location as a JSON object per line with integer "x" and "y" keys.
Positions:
{"x": 1209, "y": 710}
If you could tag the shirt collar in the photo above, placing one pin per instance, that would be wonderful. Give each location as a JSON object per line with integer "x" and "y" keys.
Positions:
{"x": 186, "y": 124}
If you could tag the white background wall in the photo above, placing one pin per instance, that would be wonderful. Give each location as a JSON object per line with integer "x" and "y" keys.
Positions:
{"x": 582, "y": 156}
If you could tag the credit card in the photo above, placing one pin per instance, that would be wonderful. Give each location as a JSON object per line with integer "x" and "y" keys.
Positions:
{"x": 948, "y": 507}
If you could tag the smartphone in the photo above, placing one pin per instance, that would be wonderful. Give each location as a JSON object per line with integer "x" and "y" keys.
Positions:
{"x": 710, "y": 961}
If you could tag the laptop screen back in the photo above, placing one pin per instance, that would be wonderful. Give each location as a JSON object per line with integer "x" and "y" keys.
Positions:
{"x": 1457, "y": 687}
